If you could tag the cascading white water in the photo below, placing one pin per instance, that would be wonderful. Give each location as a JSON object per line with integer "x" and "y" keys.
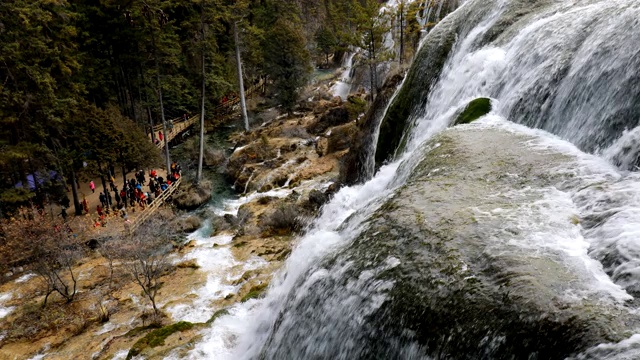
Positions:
{"x": 343, "y": 86}
{"x": 564, "y": 69}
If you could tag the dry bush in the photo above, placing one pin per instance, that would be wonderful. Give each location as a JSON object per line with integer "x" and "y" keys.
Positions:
{"x": 34, "y": 322}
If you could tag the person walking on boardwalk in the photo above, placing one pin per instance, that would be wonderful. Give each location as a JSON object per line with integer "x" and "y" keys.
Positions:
{"x": 92, "y": 186}
{"x": 160, "y": 136}
{"x": 112, "y": 183}
{"x": 117, "y": 198}
{"x": 85, "y": 205}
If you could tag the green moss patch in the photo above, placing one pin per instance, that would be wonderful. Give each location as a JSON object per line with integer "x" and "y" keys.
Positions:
{"x": 157, "y": 337}
{"x": 217, "y": 314}
{"x": 474, "y": 110}
{"x": 255, "y": 292}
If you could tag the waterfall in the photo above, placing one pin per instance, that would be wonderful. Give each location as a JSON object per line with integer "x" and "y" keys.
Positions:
{"x": 568, "y": 67}
{"x": 343, "y": 86}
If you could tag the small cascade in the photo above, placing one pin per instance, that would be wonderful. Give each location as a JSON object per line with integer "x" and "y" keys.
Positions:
{"x": 246, "y": 186}
{"x": 342, "y": 88}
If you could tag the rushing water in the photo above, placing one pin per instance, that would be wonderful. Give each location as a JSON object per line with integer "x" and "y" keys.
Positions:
{"x": 343, "y": 86}
{"x": 567, "y": 67}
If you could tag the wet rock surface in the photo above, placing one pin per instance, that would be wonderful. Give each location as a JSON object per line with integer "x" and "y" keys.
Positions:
{"x": 442, "y": 270}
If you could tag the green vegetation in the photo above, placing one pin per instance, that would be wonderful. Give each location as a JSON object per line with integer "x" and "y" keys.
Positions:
{"x": 157, "y": 337}
{"x": 474, "y": 110}
{"x": 355, "y": 106}
{"x": 255, "y": 292}
{"x": 217, "y": 314}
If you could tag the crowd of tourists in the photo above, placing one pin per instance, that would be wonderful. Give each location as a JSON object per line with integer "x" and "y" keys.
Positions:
{"x": 137, "y": 192}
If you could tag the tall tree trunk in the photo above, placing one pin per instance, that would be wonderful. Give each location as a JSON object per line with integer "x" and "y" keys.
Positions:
{"x": 74, "y": 190}
{"x": 129, "y": 91}
{"x": 201, "y": 154}
{"x": 124, "y": 180}
{"x": 153, "y": 132}
{"x": 374, "y": 72}
{"x": 401, "y": 32}
{"x": 243, "y": 104}
{"x": 124, "y": 186}
{"x": 164, "y": 123}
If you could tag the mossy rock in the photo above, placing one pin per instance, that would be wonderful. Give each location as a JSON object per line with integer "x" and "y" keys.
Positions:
{"x": 157, "y": 337}
{"x": 473, "y": 111}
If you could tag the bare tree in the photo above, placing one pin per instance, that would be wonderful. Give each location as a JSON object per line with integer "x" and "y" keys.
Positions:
{"x": 145, "y": 256}
{"x": 51, "y": 249}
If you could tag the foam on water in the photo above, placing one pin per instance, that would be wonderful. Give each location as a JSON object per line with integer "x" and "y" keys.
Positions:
{"x": 233, "y": 336}
{"x": 508, "y": 72}
{"x": 4, "y": 311}
{"x": 221, "y": 268}
{"x": 24, "y": 278}
{"x": 551, "y": 224}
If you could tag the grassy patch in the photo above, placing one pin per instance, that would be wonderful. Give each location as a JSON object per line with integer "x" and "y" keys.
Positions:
{"x": 189, "y": 264}
{"x": 34, "y": 322}
{"x": 157, "y": 337}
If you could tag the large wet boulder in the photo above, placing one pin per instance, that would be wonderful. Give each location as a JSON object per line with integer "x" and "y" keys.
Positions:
{"x": 333, "y": 117}
{"x": 192, "y": 196}
{"x": 466, "y": 260}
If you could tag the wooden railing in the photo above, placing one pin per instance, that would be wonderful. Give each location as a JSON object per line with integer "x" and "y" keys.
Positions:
{"x": 228, "y": 105}
{"x": 180, "y": 124}
{"x": 178, "y": 128}
{"x": 153, "y": 207}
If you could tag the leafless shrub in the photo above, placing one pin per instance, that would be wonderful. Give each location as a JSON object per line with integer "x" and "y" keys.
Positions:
{"x": 49, "y": 246}
{"x": 145, "y": 256}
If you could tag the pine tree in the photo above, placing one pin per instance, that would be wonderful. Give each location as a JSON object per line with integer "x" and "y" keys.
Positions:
{"x": 372, "y": 26}
{"x": 287, "y": 62}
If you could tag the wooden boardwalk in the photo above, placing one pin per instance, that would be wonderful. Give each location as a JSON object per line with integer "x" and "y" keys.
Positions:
{"x": 178, "y": 128}
{"x": 152, "y": 208}
{"x": 180, "y": 125}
